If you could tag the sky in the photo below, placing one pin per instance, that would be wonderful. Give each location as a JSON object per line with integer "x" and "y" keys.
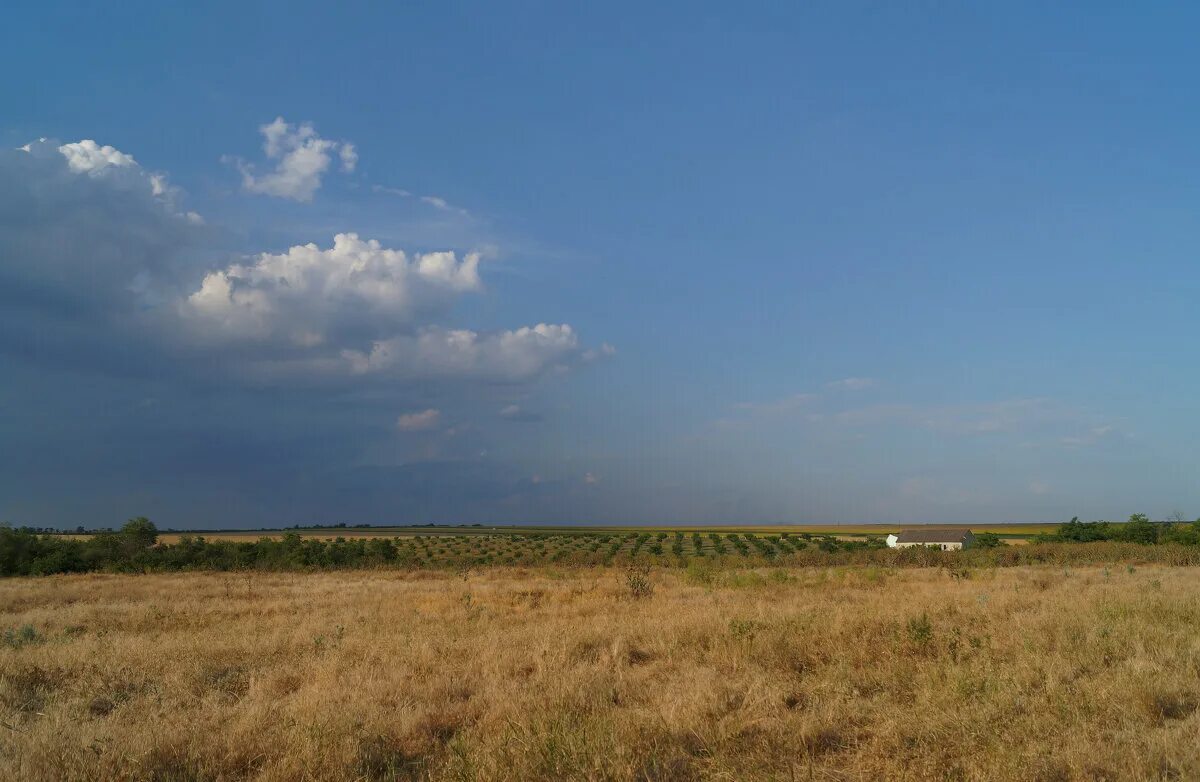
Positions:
{"x": 288, "y": 263}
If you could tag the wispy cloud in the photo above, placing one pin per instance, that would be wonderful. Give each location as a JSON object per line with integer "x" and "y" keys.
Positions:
{"x": 419, "y": 421}
{"x": 438, "y": 202}
{"x": 746, "y": 413}
{"x": 1092, "y": 436}
{"x": 802, "y": 401}
{"x": 1044, "y": 419}
{"x": 927, "y": 490}
{"x": 964, "y": 419}
{"x": 515, "y": 412}
{"x": 1039, "y": 421}
{"x": 396, "y": 191}
{"x": 1039, "y": 488}
{"x": 604, "y": 351}
{"x": 851, "y": 384}
{"x": 774, "y": 407}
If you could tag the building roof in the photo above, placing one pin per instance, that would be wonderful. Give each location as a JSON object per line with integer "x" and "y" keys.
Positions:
{"x": 932, "y": 535}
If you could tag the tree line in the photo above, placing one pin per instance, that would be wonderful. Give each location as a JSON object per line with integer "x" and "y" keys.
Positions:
{"x": 135, "y": 548}
{"x": 1139, "y": 529}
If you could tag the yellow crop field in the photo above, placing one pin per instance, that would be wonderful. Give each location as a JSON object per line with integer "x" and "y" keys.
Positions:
{"x": 875, "y": 529}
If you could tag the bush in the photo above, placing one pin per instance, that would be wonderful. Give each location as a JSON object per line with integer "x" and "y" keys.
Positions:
{"x": 26, "y": 635}
{"x": 637, "y": 580}
{"x": 140, "y": 533}
{"x": 920, "y": 629}
{"x": 1139, "y": 529}
{"x": 987, "y": 540}
{"x": 1076, "y": 531}
{"x": 701, "y": 571}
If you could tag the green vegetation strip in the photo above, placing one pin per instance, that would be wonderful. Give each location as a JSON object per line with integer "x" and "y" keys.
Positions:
{"x": 136, "y": 548}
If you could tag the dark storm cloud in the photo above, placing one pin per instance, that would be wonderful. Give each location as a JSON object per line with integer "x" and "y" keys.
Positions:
{"x": 83, "y": 255}
{"x": 85, "y": 243}
{"x": 148, "y": 372}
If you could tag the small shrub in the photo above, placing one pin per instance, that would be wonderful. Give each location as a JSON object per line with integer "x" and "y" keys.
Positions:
{"x": 743, "y": 629}
{"x": 920, "y": 629}
{"x": 385, "y": 757}
{"x": 636, "y": 655}
{"x": 701, "y": 572}
{"x": 1164, "y": 706}
{"x": 637, "y": 580}
{"x": 28, "y": 689}
{"x": 26, "y": 635}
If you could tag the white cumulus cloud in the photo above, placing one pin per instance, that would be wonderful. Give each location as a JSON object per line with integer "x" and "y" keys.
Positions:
{"x": 88, "y": 157}
{"x": 513, "y": 355}
{"x": 301, "y": 159}
{"x": 96, "y": 259}
{"x": 349, "y": 156}
{"x": 107, "y": 162}
{"x": 361, "y": 310}
{"x": 310, "y": 296}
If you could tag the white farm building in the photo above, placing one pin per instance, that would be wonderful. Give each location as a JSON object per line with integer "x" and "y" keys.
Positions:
{"x": 945, "y": 539}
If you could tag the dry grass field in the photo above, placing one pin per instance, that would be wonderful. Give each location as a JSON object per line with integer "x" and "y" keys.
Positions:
{"x": 513, "y": 674}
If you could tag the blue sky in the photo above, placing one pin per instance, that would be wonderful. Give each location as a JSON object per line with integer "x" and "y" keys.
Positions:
{"x": 687, "y": 264}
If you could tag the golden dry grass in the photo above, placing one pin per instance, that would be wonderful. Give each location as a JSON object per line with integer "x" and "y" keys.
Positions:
{"x": 863, "y": 673}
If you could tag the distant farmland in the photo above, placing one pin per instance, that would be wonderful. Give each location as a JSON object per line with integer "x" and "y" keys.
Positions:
{"x": 141, "y": 548}
{"x": 1009, "y": 531}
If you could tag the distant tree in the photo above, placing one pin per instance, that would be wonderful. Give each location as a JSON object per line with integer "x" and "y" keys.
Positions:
{"x": 987, "y": 540}
{"x": 1187, "y": 533}
{"x": 1076, "y": 531}
{"x": 1139, "y": 529}
{"x": 140, "y": 532}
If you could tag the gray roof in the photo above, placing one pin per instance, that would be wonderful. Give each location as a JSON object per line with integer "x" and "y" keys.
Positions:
{"x": 932, "y": 535}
